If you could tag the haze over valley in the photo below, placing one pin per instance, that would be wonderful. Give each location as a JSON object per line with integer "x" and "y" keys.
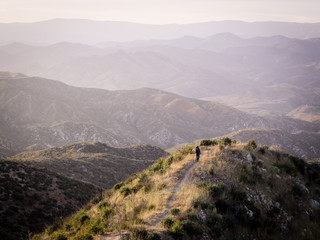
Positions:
{"x": 99, "y": 121}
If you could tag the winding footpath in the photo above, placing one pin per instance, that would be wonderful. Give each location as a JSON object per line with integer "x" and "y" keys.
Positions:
{"x": 154, "y": 223}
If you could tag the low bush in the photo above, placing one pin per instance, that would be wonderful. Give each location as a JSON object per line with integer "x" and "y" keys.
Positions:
{"x": 208, "y": 142}
{"x": 85, "y": 236}
{"x": 215, "y": 190}
{"x": 125, "y": 191}
{"x": 118, "y": 185}
{"x": 154, "y": 236}
{"x": 107, "y": 212}
{"x": 174, "y": 211}
{"x": 251, "y": 145}
{"x": 103, "y": 204}
{"x": 200, "y": 203}
{"x": 95, "y": 227}
{"x": 138, "y": 234}
{"x": 225, "y": 141}
{"x": 299, "y": 164}
{"x": 177, "y": 231}
{"x": 167, "y": 222}
{"x": 60, "y": 236}
{"x": 287, "y": 167}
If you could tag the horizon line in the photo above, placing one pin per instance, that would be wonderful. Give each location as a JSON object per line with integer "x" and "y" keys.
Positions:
{"x": 156, "y": 24}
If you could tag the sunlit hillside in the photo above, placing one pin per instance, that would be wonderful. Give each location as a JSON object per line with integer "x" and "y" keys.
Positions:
{"x": 235, "y": 191}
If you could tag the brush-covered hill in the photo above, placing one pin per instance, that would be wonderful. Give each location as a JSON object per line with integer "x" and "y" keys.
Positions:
{"x": 33, "y": 198}
{"x": 235, "y": 191}
{"x": 304, "y": 144}
{"x": 95, "y": 162}
{"x": 38, "y": 188}
{"x": 39, "y": 113}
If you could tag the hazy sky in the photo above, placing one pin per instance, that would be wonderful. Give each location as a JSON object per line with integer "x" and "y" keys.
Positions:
{"x": 161, "y": 11}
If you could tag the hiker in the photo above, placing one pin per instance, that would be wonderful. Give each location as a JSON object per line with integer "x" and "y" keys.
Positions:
{"x": 198, "y": 153}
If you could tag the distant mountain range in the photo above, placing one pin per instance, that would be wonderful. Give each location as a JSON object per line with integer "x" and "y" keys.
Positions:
{"x": 93, "y": 32}
{"x": 264, "y": 75}
{"x": 39, "y": 113}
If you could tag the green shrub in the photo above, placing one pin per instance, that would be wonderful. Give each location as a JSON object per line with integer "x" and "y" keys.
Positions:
{"x": 215, "y": 190}
{"x": 200, "y": 203}
{"x": 125, "y": 191}
{"x": 177, "y": 231}
{"x": 162, "y": 164}
{"x": 118, "y": 185}
{"x": 52, "y": 229}
{"x": 167, "y": 222}
{"x": 208, "y": 142}
{"x": 187, "y": 150}
{"x": 287, "y": 167}
{"x": 82, "y": 217}
{"x": 225, "y": 141}
{"x": 215, "y": 223}
{"x": 102, "y": 205}
{"x": 95, "y": 227}
{"x": 60, "y": 236}
{"x": 297, "y": 191}
{"x": 299, "y": 164}
{"x": 148, "y": 187}
{"x": 191, "y": 229}
{"x": 138, "y": 234}
{"x": 174, "y": 211}
{"x": 85, "y": 236}
{"x": 251, "y": 145}
{"x": 154, "y": 236}
{"x": 223, "y": 206}
{"x": 151, "y": 207}
{"x": 107, "y": 212}
{"x": 239, "y": 195}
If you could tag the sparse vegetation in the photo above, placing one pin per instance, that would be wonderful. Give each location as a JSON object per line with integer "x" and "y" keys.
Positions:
{"x": 253, "y": 199}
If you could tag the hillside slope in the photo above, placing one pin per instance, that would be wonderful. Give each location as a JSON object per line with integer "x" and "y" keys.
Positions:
{"x": 32, "y": 198}
{"x": 39, "y": 113}
{"x": 305, "y": 145}
{"x": 95, "y": 163}
{"x": 236, "y": 191}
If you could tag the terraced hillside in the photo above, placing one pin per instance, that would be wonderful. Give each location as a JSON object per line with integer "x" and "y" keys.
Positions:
{"x": 236, "y": 191}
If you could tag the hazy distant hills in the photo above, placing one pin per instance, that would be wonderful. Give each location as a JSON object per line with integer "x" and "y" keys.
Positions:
{"x": 261, "y": 75}
{"x": 39, "y": 113}
{"x": 93, "y": 32}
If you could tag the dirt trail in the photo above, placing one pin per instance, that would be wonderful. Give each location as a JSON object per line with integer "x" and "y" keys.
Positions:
{"x": 156, "y": 221}
{"x": 177, "y": 188}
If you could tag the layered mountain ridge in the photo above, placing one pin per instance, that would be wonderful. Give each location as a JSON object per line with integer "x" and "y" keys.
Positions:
{"x": 40, "y": 113}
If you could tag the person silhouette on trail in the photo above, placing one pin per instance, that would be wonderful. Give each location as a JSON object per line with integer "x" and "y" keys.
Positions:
{"x": 198, "y": 152}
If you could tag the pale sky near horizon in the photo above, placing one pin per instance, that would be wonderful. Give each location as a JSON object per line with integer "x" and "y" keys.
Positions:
{"x": 161, "y": 11}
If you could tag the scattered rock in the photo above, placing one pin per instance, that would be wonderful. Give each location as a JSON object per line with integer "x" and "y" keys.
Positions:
{"x": 249, "y": 158}
{"x": 315, "y": 203}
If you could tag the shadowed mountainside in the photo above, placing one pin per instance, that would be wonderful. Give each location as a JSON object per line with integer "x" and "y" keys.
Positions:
{"x": 32, "y": 198}
{"x": 95, "y": 163}
{"x": 39, "y": 188}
